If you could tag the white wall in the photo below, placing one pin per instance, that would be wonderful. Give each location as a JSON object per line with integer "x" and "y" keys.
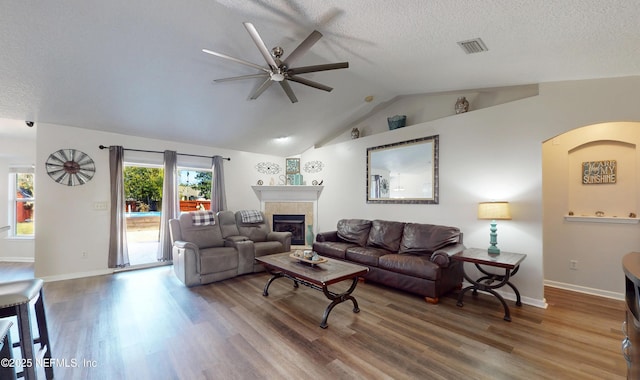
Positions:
{"x": 67, "y": 223}
{"x": 489, "y": 154}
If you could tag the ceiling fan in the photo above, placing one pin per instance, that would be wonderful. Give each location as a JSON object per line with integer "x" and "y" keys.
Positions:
{"x": 280, "y": 70}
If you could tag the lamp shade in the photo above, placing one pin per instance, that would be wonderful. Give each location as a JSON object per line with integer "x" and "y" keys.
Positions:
{"x": 494, "y": 210}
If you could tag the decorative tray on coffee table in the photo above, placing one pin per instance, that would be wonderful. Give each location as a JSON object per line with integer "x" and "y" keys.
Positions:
{"x": 308, "y": 261}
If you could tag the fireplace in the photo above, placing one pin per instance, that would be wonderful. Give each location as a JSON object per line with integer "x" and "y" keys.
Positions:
{"x": 290, "y": 223}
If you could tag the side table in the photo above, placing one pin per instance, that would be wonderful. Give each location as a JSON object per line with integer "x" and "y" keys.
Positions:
{"x": 508, "y": 261}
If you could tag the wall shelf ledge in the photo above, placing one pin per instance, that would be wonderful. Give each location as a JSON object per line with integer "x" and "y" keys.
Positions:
{"x": 601, "y": 219}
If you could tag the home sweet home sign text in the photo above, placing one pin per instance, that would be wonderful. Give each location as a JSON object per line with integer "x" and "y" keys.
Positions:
{"x": 597, "y": 172}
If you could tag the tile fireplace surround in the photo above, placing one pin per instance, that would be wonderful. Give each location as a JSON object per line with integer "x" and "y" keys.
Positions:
{"x": 300, "y": 200}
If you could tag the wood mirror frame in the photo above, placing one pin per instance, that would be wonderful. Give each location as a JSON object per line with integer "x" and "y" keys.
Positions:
{"x": 404, "y": 172}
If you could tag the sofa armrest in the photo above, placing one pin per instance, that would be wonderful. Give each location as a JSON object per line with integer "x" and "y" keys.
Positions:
{"x": 284, "y": 237}
{"x": 230, "y": 241}
{"x": 327, "y": 236}
{"x": 246, "y": 255}
{"x": 442, "y": 256}
{"x": 186, "y": 262}
{"x": 186, "y": 245}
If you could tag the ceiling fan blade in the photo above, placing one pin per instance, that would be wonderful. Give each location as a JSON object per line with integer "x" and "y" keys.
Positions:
{"x": 242, "y": 77}
{"x": 314, "y": 68}
{"x": 238, "y": 60}
{"x": 287, "y": 89}
{"x": 260, "y": 44}
{"x": 261, "y": 89}
{"x": 303, "y": 47}
{"x": 311, "y": 83}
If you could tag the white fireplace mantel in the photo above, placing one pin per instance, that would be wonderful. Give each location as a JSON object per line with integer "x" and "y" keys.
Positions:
{"x": 289, "y": 193}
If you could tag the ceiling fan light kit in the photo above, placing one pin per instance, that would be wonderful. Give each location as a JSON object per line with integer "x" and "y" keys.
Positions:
{"x": 280, "y": 70}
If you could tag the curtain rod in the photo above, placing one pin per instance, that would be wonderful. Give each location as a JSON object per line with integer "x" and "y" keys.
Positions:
{"x": 157, "y": 151}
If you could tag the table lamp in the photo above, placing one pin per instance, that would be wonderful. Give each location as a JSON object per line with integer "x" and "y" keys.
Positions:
{"x": 494, "y": 211}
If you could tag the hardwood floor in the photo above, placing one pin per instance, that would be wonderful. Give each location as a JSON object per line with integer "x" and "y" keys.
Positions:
{"x": 146, "y": 325}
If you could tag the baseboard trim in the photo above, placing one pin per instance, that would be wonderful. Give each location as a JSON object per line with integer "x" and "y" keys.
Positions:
{"x": 71, "y": 276}
{"x": 585, "y": 290}
{"x": 17, "y": 259}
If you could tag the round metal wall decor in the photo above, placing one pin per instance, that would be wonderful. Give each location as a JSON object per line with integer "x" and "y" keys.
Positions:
{"x": 70, "y": 167}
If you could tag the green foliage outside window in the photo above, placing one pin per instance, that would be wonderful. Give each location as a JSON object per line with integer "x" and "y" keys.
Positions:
{"x": 143, "y": 184}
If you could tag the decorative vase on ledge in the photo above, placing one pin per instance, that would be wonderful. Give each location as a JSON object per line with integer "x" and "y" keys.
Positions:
{"x": 397, "y": 121}
{"x": 310, "y": 235}
{"x": 462, "y": 105}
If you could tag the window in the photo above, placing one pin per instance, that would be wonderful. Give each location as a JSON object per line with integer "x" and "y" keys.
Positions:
{"x": 194, "y": 189}
{"x": 22, "y": 210}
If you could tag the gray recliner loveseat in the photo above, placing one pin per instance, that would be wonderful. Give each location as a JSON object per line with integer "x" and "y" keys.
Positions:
{"x": 208, "y": 248}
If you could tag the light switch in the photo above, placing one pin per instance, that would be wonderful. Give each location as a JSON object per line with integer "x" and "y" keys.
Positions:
{"x": 100, "y": 205}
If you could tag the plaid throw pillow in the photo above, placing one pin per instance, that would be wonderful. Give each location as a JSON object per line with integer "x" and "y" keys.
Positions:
{"x": 251, "y": 216}
{"x": 203, "y": 218}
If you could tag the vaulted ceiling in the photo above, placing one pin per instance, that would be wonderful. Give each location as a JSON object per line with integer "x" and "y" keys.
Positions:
{"x": 137, "y": 67}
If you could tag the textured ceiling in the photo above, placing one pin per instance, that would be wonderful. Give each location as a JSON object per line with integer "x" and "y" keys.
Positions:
{"x": 136, "y": 67}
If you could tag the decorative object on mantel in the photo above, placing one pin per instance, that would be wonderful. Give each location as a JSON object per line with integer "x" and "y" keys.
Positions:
{"x": 494, "y": 211}
{"x": 355, "y": 133}
{"x": 599, "y": 213}
{"x": 570, "y": 213}
{"x": 314, "y": 182}
{"x": 632, "y": 215}
{"x": 397, "y": 121}
{"x": 313, "y": 166}
{"x": 268, "y": 168}
{"x": 260, "y": 183}
{"x": 292, "y": 168}
{"x": 310, "y": 234}
{"x": 462, "y": 105}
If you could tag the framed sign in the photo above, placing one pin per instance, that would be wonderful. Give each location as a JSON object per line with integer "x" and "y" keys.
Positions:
{"x": 599, "y": 172}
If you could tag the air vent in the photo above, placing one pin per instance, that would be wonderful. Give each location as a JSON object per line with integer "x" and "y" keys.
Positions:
{"x": 473, "y": 46}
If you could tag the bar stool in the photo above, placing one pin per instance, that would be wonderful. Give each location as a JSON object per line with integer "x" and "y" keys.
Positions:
{"x": 15, "y": 298}
{"x": 6, "y": 352}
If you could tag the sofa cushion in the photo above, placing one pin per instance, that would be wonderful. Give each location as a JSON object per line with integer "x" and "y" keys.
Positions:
{"x": 253, "y": 231}
{"x": 228, "y": 226}
{"x": 365, "y": 255}
{"x": 267, "y": 247}
{"x": 202, "y": 236}
{"x": 354, "y": 230}
{"x": 412, "y": 265}
{"x": 426, "y": 238}
{"x": 220, "y": 259}
{"x": 332, "y": 248}
{"x": 385, "y": 234}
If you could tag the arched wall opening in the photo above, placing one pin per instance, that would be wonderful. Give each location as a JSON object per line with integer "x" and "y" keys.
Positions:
{"x": 590, "y": 206}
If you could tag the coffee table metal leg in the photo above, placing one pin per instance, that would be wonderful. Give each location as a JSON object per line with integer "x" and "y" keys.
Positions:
{"x": 339, "y": 298}
{"x": 265, "y": 292}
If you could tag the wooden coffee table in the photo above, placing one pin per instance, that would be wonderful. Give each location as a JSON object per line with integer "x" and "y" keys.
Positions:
{"x": 316, "y": 276}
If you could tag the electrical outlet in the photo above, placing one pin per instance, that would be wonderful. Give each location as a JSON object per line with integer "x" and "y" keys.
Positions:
{"x": 573, "y": 265}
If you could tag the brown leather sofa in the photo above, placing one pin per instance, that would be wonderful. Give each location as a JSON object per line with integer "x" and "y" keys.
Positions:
{"x": 412, "y": 257}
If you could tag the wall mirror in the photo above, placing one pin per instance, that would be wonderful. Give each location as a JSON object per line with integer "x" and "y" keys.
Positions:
{"x": 403, "y": 172}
